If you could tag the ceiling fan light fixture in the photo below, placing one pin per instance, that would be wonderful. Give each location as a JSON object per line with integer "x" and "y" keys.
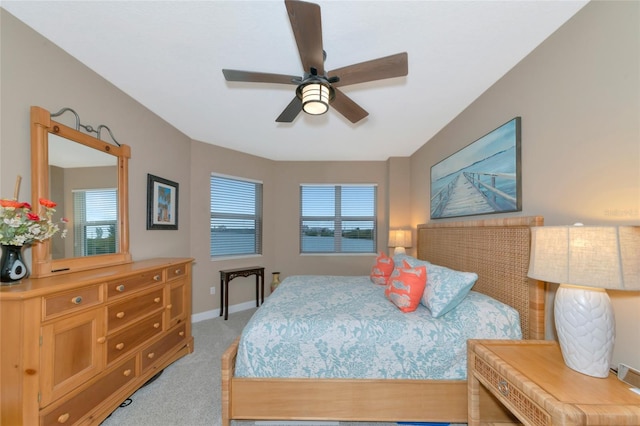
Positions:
{"x": 316, "y": 97}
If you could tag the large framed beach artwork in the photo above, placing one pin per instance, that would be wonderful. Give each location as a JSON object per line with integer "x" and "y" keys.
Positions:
{"x": 482, "y": 178}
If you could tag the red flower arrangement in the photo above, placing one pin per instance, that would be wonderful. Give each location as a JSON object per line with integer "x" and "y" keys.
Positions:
{"x": 19, "y": 225}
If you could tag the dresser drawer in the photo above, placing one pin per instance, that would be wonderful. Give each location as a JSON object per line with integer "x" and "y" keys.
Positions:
{"x": 71, "y": 301}
{"x": 123, "y": 342}
{"x": 176, "y": 271}
{"x": 133, "y": 283}
{"x": 163, "y": 346}
{"x": 125, "y": 312}
{"x": 510, "y": 395}
{"x": 73, "y": 409}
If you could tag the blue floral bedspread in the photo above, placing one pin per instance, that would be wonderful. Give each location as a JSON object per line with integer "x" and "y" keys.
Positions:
{"x": 345, "y": 327}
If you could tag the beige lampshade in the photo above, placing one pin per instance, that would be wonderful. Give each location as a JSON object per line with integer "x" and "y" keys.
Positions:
{"x": 400, "y": 238}
{"x": 593, "y": 256}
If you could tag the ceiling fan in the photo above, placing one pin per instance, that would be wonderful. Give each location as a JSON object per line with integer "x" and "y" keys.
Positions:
{"x": 317, "y": 88}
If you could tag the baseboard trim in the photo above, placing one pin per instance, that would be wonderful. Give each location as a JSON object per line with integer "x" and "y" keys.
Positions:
{"x": 215, "y": 313}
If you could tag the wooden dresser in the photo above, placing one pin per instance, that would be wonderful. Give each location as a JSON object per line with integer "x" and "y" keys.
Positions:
{"x": 73, "y": 347}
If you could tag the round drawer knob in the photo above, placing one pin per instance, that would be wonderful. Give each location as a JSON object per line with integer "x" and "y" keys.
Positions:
{"x": 120, "y": 346}
{"x": 181, "y": 334}
{"x": 102, "y": 339}
{"x": 157, "y": 300}
{"x": 63, "y": 418}
{"x": 157, "y": 277}
{"x": 120, "y": 288}
{"x": 169, "y": 306}
{"x": 156, "y": 325}
{"x": 178, "y": 271}
{"x": 127, "y": 372}
{"x": 120, "y": 315}
{"x": 76, "y": 300}
{"x": 503, "y": 387}
{"x": 151, "y": 355}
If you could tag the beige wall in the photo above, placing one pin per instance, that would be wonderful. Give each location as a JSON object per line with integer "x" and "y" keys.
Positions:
{"x": 288, "y": 178}
{"x": 399, "y": 198}
{"x": 36, "y": 72}
{"x": 281, "y": 187}
{"x": 579, "y": 98}
{"x": 206, "y": 159}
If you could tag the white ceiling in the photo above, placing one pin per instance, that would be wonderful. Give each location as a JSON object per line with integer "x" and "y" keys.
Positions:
{"x": 169, "y": 56}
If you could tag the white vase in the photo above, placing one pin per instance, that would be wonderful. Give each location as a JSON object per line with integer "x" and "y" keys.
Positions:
{"x": 586, "y": 329}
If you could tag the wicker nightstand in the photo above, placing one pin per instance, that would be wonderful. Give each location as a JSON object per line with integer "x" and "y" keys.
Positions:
{"x": 532, "y": 381}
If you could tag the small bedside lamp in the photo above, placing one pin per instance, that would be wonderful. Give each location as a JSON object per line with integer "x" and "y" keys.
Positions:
{"x": 586, "y": 260}
{"x": 400, "y": 239}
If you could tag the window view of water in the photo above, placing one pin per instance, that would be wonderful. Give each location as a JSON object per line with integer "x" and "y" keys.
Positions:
{"x": 334, "y": 218}
{"x": 316, "y": 244}
{"x": 239, "y": 243}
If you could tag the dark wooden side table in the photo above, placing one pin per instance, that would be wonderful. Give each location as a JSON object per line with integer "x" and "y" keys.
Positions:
{"x": 227, "y": 275}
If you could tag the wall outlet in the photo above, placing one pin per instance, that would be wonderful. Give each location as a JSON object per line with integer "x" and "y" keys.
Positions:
{"x": 629, "y": 375}
{"x": 212, "y": 290}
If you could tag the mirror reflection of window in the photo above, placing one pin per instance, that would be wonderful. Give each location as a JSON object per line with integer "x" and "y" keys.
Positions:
{"x": 74, "y": 168}
{"x": 95, "y": 221}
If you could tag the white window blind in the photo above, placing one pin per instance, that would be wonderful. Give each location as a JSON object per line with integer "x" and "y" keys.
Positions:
{"x": 95, "y": 221}
{"x": 338, "y": 218}
{"x": 236, "y": 216}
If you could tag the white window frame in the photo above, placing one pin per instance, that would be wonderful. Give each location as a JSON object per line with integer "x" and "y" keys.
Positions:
{"x": 80, "y": 222}
{"x": 337, "y": 219}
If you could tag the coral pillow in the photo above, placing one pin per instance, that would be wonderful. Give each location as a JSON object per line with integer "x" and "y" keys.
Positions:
{"x": 406, "y": 286}
{"x": 382, "y": 270}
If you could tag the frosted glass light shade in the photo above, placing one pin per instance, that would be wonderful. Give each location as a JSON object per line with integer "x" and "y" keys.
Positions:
{"x": 315, "y": 98}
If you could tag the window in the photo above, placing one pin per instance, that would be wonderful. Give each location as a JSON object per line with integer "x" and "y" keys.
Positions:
{"x": 338, "y": 218}
{"x": 236, "y": 216}
{"x": 95, "y": 221}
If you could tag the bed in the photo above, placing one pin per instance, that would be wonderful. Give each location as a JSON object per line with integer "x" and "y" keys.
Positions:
{"x": 497, "y": 250}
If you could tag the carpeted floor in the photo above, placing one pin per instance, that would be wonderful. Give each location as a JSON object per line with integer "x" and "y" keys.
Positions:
{"x": 188, "y": 392}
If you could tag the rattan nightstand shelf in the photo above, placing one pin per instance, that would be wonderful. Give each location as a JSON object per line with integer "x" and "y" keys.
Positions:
{"x": 531, "y": 380}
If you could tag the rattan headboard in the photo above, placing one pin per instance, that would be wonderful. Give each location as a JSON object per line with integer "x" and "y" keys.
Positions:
{"x": 498, "y": 251}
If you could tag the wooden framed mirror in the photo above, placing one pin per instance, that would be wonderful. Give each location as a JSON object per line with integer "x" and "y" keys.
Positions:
{"x": 88, "y": 179}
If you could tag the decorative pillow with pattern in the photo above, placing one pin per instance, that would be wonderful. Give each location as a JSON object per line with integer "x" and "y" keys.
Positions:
{"x": 446, "y": 288}
{"x": 406, "y": 286}
{"x": 412, "y": 261}
{"x": 382, "y": 270}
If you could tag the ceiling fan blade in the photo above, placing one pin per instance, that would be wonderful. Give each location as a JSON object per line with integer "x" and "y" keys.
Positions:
{"x": 376, "y": 69}
{"x": 259, "y": 77}
{"x": 345, "y": 106}
{"x": 291, "y": 111}
{"x": 306, "y": 24}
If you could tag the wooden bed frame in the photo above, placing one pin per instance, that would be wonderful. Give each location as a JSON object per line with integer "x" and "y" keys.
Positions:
{"x": 498, "y": 250}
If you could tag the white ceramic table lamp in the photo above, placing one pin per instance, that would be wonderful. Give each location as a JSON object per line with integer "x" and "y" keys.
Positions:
{"x": 400, "y": 239}
{"x": 586, "y": 260}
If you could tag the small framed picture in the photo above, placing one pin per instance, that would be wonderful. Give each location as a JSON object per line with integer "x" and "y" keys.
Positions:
{"x": 162, "y": 203}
